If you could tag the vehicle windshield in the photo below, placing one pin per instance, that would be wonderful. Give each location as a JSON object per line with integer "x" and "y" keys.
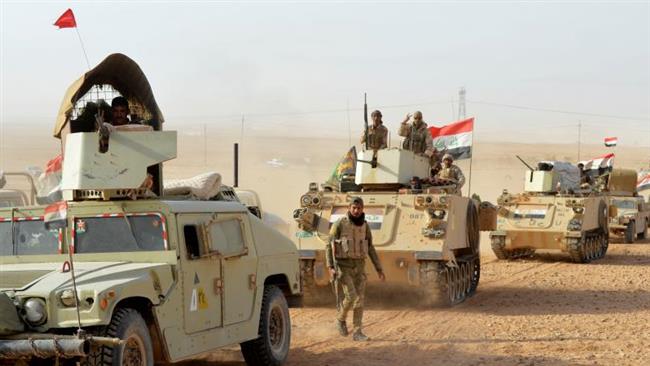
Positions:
{"x": 624, "y": 204}
{"x": 119, "y": 234}
{"x": 29, "y": 238}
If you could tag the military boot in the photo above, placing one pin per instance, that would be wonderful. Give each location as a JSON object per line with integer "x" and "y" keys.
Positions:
{"x": 342, "y": 327}
{"x": 359, "y": 336}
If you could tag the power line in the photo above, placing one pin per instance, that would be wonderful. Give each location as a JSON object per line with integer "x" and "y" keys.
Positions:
{"x": 322, "y": 111}
{"x": 559, "y": 111}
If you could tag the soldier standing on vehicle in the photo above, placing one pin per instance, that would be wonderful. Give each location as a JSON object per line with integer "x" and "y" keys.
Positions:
{"x": 377, "y": 133}
{"x": 350, "y": 243}
{"x": 451, "y": 171}
{"x": 418, "y": 138}
{"x": 585, "y": 178}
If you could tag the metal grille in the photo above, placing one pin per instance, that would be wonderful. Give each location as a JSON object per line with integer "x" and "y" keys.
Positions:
{"x": 95, "y": 94}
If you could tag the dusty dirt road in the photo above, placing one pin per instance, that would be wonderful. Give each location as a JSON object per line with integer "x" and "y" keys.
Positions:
{"x": 540, "y": 311}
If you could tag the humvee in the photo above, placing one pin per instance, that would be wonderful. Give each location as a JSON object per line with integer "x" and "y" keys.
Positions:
{"x": 552, "y": 213}
{"x": 120, "y": 273}
{"x": 633, "y": 213}
{"x": 427, "y": 238}
{"x": 12, "y": 197}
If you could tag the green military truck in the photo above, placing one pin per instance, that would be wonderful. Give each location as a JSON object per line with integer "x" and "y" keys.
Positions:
{"x": 122, "y": 272}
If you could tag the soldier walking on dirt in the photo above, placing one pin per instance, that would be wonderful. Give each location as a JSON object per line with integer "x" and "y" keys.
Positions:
{"x": 451, "y": 171}
{"x": 350, "y": 243}
{"x": 418, "y": 138}
{"x": 377, "y": 133}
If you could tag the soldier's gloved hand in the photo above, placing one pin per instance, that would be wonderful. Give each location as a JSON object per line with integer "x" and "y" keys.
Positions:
{"x": 382, "y": 276}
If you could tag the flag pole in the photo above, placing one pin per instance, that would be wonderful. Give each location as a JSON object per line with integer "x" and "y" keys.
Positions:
{"x": 471, "y": 158}
{"x": 83, "y": 48}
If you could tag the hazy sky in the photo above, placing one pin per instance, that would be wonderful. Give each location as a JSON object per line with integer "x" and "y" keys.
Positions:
{"x": 209, "y": 62}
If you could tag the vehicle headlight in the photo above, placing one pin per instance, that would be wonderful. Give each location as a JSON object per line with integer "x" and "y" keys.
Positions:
{"x": 436, "y": 214}
{"x": 67, "y": 298}
{"x": 35, "y": 311}
{"x": 305, "y": 200}
{"x": 578, "y": 209}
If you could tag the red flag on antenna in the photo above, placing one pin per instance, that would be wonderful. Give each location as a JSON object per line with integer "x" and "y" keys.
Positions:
{"x": 66, "y": 20}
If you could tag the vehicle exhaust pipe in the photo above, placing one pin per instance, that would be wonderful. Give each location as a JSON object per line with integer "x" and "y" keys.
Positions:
{"x": 44, "y": 348}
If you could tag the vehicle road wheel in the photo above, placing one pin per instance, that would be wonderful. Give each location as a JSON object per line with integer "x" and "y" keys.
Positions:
{"x": 127, "y": 324}
{"x": 272, "y": 345}
{"x": 629, "y": 233}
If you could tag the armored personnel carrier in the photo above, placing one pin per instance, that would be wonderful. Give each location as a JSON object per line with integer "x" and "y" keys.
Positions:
{"x": 427, "y": 238}
{"x": 553, "y": 213}
{"x": 123, "y": 272}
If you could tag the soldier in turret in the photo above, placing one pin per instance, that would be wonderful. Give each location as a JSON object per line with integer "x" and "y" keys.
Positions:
{"x": 417, "y": 136}
{"x": 350, "y": 243}
{"x": 377, "y": 134}
{"x": 451, "y": 171}
{"x": 120, "y": 111}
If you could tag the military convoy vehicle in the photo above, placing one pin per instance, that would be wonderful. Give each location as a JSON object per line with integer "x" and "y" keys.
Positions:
{"x": 124, "y": 273}
{"x": 632, "y": 219}
{"x": 553, "y": 213}
{"x": 12, "y": 197}
{"x": 632, "y": 212}
{"x": 427, "y": 238}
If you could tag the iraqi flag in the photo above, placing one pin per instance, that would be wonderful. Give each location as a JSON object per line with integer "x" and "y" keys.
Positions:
{"x": 455, "y": 138}
{"x": 605, "y": 161}
{"x": 56, "y": 215}
{"x": 48, "y": 184}
{"x": 611, "y": 141}
{"x": 644, "y": 180}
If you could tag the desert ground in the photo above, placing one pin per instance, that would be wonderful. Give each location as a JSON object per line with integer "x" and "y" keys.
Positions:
{"x": 540, "y": 311}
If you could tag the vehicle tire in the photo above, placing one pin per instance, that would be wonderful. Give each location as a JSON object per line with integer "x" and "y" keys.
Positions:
{"x": 644, "y": 233}
{"x": 629, "y": 233}
{"x": 271, "y": 348}
{"x": 126, "y": 324}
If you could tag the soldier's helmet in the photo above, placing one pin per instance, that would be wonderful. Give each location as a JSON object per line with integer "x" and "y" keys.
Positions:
{"x": 447, "y": 157}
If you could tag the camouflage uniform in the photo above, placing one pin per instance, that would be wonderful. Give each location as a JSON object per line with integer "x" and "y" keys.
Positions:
{"x": 452, "y": 172}
{"x": 378, "y": 137}
{"x": 418, "y": 138}
{"x": 351, "y": 245}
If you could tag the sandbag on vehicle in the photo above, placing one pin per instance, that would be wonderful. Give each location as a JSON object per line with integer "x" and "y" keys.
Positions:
{"x": 203, "y": 186}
